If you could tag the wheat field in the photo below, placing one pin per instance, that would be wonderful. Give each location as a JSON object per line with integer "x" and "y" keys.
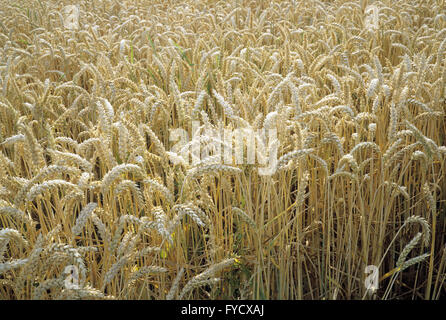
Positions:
{"x": 96, "y": 203}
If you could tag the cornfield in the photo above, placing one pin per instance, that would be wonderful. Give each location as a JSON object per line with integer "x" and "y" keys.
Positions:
{"x": 96, "y": 203}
